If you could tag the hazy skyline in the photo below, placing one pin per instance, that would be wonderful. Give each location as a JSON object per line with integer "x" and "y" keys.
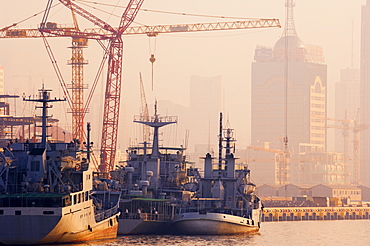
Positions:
{"x": 334, "y": 25}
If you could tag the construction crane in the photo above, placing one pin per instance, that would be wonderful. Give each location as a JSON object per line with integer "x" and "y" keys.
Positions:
{"x": 80, "y": 41}
{"x": 356, "y": 127}
{"x": 282, "y": 159}
{"x": 107, "y": 32}
{"x": 114, "y": 75}
{"x": 77, "y": 86}
{"x": 101, "y": 34}
{"x": 144, "y": 112}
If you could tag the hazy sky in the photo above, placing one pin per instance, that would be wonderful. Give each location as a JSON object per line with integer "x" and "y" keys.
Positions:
{"x": 332, "y": 24}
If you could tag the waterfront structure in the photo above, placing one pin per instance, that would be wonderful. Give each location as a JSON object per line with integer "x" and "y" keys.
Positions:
{"x": 365, "y": 192}
{"x": 365, "y": 94}
{"x": 289, "y": 190}
{"x": 316, "y": 213}
{"x": 267, "y": 190}
{"x": 337, "y": 191}
{"x": 353, "y": 193}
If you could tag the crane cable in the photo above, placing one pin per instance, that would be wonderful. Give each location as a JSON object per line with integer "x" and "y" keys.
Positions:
{"x": 169, "y": 12}
{"x": 34, "y": 15}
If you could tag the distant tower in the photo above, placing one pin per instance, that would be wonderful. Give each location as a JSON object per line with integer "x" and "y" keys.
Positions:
{"x": 289, "y": 23}
{"x": 365, "y": 94}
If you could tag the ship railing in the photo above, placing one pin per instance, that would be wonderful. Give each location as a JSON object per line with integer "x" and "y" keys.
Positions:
{"x": 155, "y": 217}
{"x": 147, "y": 217}
{"x": 238, "y": 212}
{"x": 106, "y": 213}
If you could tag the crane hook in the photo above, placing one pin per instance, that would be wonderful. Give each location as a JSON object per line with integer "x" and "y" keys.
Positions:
{"x": 152, "y": 58}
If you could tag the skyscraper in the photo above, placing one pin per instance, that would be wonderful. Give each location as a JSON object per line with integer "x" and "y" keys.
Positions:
{"x": 289, "y": 112}
{"x": 365, "y": 94}
{"x": 288, "y": 87}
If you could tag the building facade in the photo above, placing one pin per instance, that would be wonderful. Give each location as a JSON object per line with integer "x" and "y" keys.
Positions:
{"x": 284, "y": 103}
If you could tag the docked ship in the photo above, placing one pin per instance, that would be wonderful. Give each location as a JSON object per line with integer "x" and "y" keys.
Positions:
{"x": 153, "y": 181}
{"x": 47, "y": 194}
{"x": 225, "y": 202}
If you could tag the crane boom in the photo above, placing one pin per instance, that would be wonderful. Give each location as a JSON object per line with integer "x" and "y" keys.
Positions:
{"x": 113, "y": 89}
{"x": 87, "y": 15}
{"x": 99, "y": 33}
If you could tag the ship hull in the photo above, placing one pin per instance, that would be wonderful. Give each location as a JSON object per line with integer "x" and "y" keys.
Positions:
{"x": 212, "y": 224}
{"x": 143, "y": 227}
{"x": 53, "y": 225}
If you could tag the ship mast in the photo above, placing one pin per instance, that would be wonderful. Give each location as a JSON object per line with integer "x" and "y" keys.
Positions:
{"x": 44, "y": 98}
{"x": 156, "y": 122}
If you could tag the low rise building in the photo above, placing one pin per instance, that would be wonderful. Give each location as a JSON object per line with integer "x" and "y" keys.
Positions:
{"x": 337, "y": 191}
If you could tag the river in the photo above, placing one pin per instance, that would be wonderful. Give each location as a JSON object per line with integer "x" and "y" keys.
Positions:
{"x": 326, "y": 233}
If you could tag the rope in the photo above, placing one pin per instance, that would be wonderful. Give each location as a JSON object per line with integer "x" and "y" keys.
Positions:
{"x": 170, "y": 12}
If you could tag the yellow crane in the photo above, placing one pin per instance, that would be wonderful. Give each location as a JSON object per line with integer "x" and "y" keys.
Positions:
{"x": 92, "y": 33}
{"x": 354, "y": 126}
{"x": 281, "y": 158}
{"x": 144, "y": 112}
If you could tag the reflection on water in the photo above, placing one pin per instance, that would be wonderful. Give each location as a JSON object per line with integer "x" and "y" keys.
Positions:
{"x": 339, "y": 233}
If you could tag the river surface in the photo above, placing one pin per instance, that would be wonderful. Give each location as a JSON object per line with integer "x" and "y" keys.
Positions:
{"x": 297, "y": 233}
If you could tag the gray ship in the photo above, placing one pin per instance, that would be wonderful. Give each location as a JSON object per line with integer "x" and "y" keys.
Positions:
{"x": 225, "y": 202}
{"x": 153, "y": 183}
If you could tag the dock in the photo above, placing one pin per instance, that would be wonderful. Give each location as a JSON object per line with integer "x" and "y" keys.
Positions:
{"x": 315, "y": 213}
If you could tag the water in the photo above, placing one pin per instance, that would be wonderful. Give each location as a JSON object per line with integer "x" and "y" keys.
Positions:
{"x": 326, "y": 233}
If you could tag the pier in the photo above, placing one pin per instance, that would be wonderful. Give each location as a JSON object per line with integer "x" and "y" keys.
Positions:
{"x": 315, "y": 213}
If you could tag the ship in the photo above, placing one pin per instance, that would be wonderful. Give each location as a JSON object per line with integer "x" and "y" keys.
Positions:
{"x": 47, "y": 193}
{"x": 225, "y": 202}
{"x": 153, "y": 181}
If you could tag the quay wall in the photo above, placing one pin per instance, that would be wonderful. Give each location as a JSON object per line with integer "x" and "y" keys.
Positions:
{"x": 315, "y": 213}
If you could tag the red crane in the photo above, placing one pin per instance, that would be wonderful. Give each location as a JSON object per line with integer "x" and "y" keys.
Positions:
{"x": 114, "y": 54}
{"x": 114, "y": 74}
